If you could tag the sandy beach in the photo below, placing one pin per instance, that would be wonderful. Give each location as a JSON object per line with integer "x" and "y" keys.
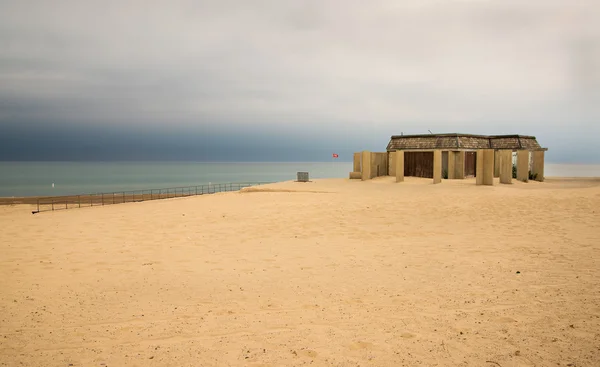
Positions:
{"x": 327, "y": 273}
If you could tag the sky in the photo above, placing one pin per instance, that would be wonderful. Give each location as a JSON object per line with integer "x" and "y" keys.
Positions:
{"x": 279, "y": 80}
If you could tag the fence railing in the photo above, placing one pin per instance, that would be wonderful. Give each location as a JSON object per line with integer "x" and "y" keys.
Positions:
{"x": 52, "y": 203}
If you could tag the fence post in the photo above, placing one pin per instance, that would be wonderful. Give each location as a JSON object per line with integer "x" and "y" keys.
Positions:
{"x": 38, "y": 205}
{"x": 102, "y": 199}
{"x": 91, "y": 202}
{"x": 151, "y": 192}
{"x": 52, "y": 204}
{"x": 113, "y": 197}
{"x": 66, "y": 203}
{"x": 79, "y": 200}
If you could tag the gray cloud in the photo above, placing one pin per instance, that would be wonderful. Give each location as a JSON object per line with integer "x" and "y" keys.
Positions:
{"x": 339, "y": 68}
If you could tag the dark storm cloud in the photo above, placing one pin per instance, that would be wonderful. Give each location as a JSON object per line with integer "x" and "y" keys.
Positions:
{"x": 342, "y": 75}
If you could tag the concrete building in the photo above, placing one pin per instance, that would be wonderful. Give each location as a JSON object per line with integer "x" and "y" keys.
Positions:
{"x": 455, "y": 156}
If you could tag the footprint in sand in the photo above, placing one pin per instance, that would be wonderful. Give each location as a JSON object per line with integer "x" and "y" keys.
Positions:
{"x": 308, "y": 353}
{"x": 361, "y": 345}
{"x": 505, "y": 320}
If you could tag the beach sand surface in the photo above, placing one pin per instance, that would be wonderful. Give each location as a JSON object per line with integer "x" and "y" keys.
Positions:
{"x": 326, "y": 273}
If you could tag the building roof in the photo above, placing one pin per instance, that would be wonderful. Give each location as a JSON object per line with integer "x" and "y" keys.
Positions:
{"x": 462, "y": 142}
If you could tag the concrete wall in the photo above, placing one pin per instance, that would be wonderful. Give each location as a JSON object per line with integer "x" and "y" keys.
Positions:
{"x": 356, "y": 162}
{"x": 459, "y": 165}
{"x": 538, "y": 165}
{"x": 379, "y": 164}
{"x": 365, "y": 160}
{"x": 451, "y": 165}
{"x": 369, "y": 165}
{"x": 523, "y": 165}
{"x": 497, "y": 155}
{"x": 488, "y": 169}
{"x": 485, "y": 167}
{"x": 399, "y": 165}
{"x": 445, "y": 163}
{"x": 437, "y": 166}
{"x": 392, "y": 162}
{"x": 504, "y": 165}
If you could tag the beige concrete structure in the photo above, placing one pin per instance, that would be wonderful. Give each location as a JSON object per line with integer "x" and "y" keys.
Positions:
{"x": 457, "y": 155}
{"x": 537, "y": 168}
{"x": 452, "y": 165}
{"x": 399, "y": 166}
{"x": 437, "y": 166}
{"x": 504, "y": 162}
{"x": 523, "y": 165}
{"x": 485, "y": 167}
{"x": 365, "y": 165}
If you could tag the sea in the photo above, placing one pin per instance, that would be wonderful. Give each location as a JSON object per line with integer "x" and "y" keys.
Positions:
{"x": 72, "y": 178}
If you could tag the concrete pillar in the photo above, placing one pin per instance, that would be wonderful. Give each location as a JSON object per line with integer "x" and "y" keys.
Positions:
{"x": 497, "y": 155}
{"x": 488, "y": 167}
{"x": 505, "y": 165}
{"x": 399, "y": 165}
{"x": 451, "y": 165}
{"x": 485, "y": 167}
{"x": 365, "y": 165}
{"x": 459, "y": 165}
{"x": 437, "y": 166}
{"x": 356, "y": 162}
{"x": 523, "y": 165}
{"x": 479, "y": 168}
{"x": 374, "y": 168}
{"x": 391, "y": 164}
{"x": 538, "y": 165}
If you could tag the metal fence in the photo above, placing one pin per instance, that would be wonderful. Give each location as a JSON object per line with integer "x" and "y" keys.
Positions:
{"x": 100, "y": 199}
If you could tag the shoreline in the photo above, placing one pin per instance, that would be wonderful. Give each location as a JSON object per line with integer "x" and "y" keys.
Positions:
{"x": 120, "y": 197}
{"x": 97, "y": 197}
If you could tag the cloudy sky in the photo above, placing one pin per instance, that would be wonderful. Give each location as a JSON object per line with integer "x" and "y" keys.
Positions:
{"x": 292, "y": 80}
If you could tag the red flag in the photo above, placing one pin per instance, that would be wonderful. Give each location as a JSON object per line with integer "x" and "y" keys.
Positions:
{"x": 335, "y": 155}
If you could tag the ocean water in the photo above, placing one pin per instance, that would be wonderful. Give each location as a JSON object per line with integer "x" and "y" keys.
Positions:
{"x": 72, "y": 178}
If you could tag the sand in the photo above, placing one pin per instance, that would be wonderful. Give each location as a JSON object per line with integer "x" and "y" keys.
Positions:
{"x": 327, "y": 273}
